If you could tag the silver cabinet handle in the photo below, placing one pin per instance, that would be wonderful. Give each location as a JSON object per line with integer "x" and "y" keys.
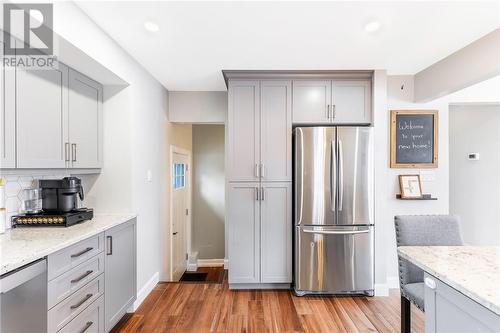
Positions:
{"x": 76, "y": 255}
{"x": 262, "y": 194}
{"x": 85, "y": 299}
{"x": 66, "y": 152}
{"x": 110, "y": 245}
{"x": 328, "y": 111}
{"x": 257, "y": 195}
{"x": 73, "y": 152}
{"x": 341, "y": 176}
{"x": 262, "y": 170}
{"x": 333, "y": 115}
{"x": 257, "y": 170}
{"x": 336, "y": 232}
{"x": 87, "y": 326}
{"x": 83, "y": 276}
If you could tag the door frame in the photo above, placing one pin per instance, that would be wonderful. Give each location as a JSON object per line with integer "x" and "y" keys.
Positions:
{"x": 178, "y": 150}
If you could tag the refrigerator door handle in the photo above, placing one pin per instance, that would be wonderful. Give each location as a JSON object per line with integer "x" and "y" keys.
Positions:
{"x": 336, "y": 232}
{"x": 341, "y": 176}
{"x": 333, "y": 176}
{"x": 300, "y": 173}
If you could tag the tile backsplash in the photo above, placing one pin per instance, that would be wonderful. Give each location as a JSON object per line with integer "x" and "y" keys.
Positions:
{"x": 14, "y": 186}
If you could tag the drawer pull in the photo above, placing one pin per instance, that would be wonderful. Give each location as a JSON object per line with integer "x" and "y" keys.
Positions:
{"x": 76, "y": 255}
{"x": 78, "y": 279}
{"x": 87, "y": 326}
{"x": 76, "y": 306}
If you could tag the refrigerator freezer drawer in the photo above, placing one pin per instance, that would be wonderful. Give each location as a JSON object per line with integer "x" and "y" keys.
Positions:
{"x": 334, "y": 260}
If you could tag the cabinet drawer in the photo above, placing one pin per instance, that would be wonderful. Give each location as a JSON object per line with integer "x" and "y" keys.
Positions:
{"x": 91, "y": 320}
{"x": 68, "y": 309}
{"x": 72, "y": 256}
{"x": 66, "y": 284}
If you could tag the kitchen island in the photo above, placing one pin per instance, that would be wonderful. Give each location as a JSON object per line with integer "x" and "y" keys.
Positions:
{"x": 462, "y": 286}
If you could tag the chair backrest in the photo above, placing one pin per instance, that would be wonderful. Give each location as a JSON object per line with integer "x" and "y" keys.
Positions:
{"x": 424, "y": 230}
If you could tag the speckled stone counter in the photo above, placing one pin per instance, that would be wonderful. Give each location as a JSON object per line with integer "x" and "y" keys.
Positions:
{"x": 21, "y": 246}
{"x": 472, "y": 270}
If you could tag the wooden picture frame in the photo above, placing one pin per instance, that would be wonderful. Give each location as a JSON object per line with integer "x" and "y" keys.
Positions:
{"x": 405, "y": 192}
{"x": 393, "y": 139}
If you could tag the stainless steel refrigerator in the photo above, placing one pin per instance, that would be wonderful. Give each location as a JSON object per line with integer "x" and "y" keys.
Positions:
{"x": 333, "y": 199}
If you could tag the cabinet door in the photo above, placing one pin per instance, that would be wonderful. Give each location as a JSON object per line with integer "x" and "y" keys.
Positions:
{"x": 244, "y": 233}
{"x": 311, "y": 100}
{"x": 120, "y": 271}
{"x": 243, "y": 131}
{"x": 276, "y": 233}
{"x": 85, "y": 121}
{"x": 352, "y": 101}
{"x": 7, "y": 115}
{"x": 42, "y": 117}
{"x": 276, "y": 130}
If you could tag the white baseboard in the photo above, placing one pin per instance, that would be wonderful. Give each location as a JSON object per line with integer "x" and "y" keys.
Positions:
{"x": 381, "y": 289}
{"x": 226, "y": 263}
{"x": 210, "y": 262}
{"x": 145, "y": 290}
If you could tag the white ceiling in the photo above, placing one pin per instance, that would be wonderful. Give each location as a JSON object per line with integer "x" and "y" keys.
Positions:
{"x": 197, "y": 40}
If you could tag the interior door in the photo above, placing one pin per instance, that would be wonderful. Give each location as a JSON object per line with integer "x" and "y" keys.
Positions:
{"x": 180, "y": 202}
{"x": 311, "y": 100}
{"x": 315, "y": 170}
{"x": 276, "y": 130}
{"x": 355, "y": 175}
{"x": 42, "y": 118}
{"x": 352, "y": 101}
{"x": 85, "y": 121}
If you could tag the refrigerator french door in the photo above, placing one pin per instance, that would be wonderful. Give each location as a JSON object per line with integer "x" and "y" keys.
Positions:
{"x": 334, "y": 231}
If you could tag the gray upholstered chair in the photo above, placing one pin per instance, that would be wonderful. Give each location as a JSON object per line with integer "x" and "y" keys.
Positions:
{"x": 420, "y": 230}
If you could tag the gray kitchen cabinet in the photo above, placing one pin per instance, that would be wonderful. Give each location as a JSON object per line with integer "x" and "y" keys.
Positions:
{"x": 244, "y": 233}
{"x": 449, "y": 311}
{"x": 338, "y": 101}
{"x": 351, "y": 101}
{"x": 276, "y": 130}
{"x": 244, "y": 131}
{"x": 276, "y": 232}
{"x": 260, "y": 231}
{"x": 120, "y": 271}
{"x": 259, "y": 131}
{"x": 311, "y": 101}
{"x": 41, "y": 118}
{"x": 8, "y": 115}
{"x": 85, "y": 121}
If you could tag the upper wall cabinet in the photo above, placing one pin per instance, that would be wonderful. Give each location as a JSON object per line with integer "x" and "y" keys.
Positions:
{"x": 42, "y": 117}
{"x": 53, "y": 119}
{"x": 332, "y": 102}
{"x": 260, "y": 131}
{"x": 85, "y": 121}
{"x": 7, "y": 115}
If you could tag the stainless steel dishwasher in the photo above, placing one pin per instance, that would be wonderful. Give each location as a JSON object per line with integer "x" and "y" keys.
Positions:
{"x": 23, "y": 299}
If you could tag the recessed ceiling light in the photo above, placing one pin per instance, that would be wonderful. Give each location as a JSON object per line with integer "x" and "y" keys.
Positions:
{"x": 151, "y": 26}
{"x": 372, "y": 26}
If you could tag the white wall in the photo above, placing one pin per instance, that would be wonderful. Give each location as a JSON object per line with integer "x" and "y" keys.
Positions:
{"x": 135, "y": 140}
{"x": 208, "y": 192}
{"x": 475, "y": 185}
{"x": 208, "y": 107}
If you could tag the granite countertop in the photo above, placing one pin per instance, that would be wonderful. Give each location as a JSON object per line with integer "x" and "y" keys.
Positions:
{"x": 20, "y": 246}
{"x": 472, "y": 270}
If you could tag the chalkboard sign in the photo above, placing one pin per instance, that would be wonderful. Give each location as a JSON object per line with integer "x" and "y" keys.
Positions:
{"x": 414, "y": 135}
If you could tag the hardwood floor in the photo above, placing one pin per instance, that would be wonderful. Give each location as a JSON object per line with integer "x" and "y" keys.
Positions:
{"x": 212, "y": 307}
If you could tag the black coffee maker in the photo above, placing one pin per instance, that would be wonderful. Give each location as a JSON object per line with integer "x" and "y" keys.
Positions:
{"x": 61, "y": 195}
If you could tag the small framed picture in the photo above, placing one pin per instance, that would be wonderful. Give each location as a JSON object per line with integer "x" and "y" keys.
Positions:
{"x": 410, "y": 185}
